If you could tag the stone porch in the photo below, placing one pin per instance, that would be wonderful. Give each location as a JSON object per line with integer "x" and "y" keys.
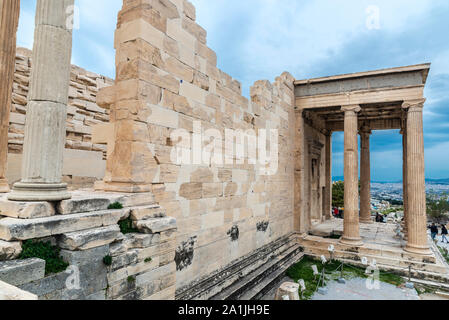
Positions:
{"x": 380, "y": 244}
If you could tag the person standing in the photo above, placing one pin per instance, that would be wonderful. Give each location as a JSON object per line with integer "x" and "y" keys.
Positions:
{"x": 433, "y": 231}
{"x": 444, "y": 233}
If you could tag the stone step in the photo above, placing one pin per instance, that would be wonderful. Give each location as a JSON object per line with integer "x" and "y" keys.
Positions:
{"x": 21, "y": 229}
{"x": 440, "y": 275}
{"x": 379, "y": 259}
{"x": 83, "y": 201}
{"x": 258, "y": 291}
{"x": 10, "y": 250}
{"x": 9, "y": 292}
{"x": 385, "y": 251}
{"x": 237, "y": 271}
{"x": 156, "y": 225}
{"x": 431, "y": 284}
{"x": 256, "y": 276}
{"x": 26, "y": 210}
{"x": 214, "y": 283}
{"x": 88, "y": 239}
{"x": 372, "y": 249}
{"x": 147, "y": 212}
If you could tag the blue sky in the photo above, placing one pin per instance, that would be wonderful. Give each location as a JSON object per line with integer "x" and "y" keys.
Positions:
{"x": 259, "y": 39}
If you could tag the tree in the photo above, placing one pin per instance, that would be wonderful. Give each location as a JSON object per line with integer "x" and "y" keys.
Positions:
{"x": 437, "y": 209}
{"x": 338, "y": 194}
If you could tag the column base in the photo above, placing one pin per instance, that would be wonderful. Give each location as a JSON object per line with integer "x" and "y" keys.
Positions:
{"x": 425, "y": 251}
{"x": 366, "y": 221}
{"x": 352, "y": 242}
{"x": 39, "y": 192}
{"x": 4, "y": 186}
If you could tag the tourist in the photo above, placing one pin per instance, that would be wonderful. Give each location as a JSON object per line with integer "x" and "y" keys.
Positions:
{"x": 433, "y": 231}
{"x": 336, "y": 212}
{"x": 444, "y": 233}
{"x": 379, "y": 218}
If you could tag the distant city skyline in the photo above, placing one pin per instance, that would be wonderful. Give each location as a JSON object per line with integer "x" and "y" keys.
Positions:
{"x": 259, "y": 39}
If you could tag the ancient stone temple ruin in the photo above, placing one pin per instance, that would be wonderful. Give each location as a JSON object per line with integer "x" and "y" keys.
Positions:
{"x": 108, "y": 172}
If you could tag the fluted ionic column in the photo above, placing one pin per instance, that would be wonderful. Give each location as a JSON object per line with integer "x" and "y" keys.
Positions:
{"x": 328, "y": 189}
{"x": 45, "y": 128}
{"x": 416, "y": 186}
{"x": 404, "y": 182}
{"x": 9, "y": 20}
{"x": 351, "y": 233}
{"x": 365, "y": 176}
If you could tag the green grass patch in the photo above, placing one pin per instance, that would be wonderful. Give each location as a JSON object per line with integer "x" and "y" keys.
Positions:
{"x": 126, "y": 226}
{"x": 45, "y": 251}
{"x": 115, "y": 206}
{"x": 107, "y": 260}
{"x": 131, "y": 279}
{"x": 148, "y": 260}
{"x": 303, "y": 270}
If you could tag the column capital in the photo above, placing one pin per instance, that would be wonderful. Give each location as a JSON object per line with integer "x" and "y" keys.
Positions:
{"x": 365, "y": 131}
{"x": 353, "y": 107}
{"x": 414, "y": 105}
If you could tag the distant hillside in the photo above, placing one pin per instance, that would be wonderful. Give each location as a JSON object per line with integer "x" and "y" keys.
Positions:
{"x": 428, "y": 181}
{"x": 438, "y": 181}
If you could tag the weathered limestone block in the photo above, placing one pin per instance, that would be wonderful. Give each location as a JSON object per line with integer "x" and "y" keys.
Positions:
{"x": 158, "y": 274}
{"x": 202, "y": 175}
{"x": 88, "y": 239}
{"x": 20, "y": 229}
{"x": 194, "y": 29}
{"x": 189, "y": 10}
{"x": 87, "y": 202}
{"x": 191, "y": 191}
{"x": 141, "y": 241}
{"x": 9, "y": 292}
{"x": 26, "y": 210}
{"x": 130, "y": 257}
{"x": 106, "y": 97}
{"x": 86, "y": 256}
{"x": 156, "y": 225}
{"x": 18, "y": 272}
{"x": 288, "y": 289}
{"x": 148, "y": 14}
{"x": 48, "y": 288}
{"x": 142, "y": 70}
{"x": 179, "y": 69}
{"x": 149, "y": 212}
{"x": 9, "y": 250}
{"x": 212, "y": 190}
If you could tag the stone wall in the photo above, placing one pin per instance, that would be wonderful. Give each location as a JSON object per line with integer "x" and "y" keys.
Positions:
{"x": 83, "y": 114}
{"x": 141, "y": 263}
{"x": 223, "y": 212}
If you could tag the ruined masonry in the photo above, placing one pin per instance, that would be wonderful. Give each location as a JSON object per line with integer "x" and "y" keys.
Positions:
{"x": 90, "y": 164}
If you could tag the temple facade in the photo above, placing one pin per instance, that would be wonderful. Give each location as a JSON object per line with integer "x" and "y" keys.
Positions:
{"x": 212, "y": 186}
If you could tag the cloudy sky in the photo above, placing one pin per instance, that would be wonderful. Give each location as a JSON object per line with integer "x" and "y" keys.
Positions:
{"x": 259, "y": 39}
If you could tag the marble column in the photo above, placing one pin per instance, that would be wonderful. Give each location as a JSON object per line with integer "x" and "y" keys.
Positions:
{"x": 9, "y": 20}
{"x": 365, "y": 176}
{"x": 404, "y": 181}
{"x": 351, "y": 232}
{"x": 45, "y": 128}
{"x": 416, "y": 188}
{"x": 328, "y": 188}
